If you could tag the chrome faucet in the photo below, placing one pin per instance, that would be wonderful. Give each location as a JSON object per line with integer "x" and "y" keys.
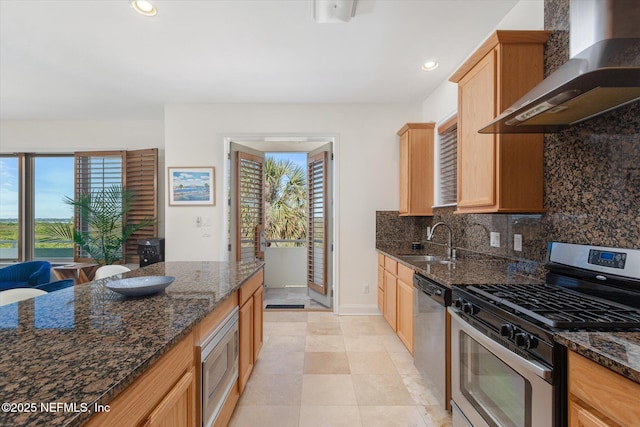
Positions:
{"x": 450, "y": 252}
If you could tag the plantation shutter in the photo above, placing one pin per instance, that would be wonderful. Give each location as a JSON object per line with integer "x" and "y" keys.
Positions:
{"x": 95, "y": 171}
{"x": 137, "y": 170}
{"x": 141, "y": 176}
{"x": 317, "y": 228}
{"x": 250, "y": 209}
{"x": 448, "y": 163}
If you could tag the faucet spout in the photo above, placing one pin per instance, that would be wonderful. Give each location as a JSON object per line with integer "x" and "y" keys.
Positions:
{"x": 430, "y": 231}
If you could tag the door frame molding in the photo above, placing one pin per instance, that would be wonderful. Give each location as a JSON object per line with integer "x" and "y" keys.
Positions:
{"x": 334, "y": 138}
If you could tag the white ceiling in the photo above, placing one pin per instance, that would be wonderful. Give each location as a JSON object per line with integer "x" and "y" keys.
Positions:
{"x": 86, "y": 59}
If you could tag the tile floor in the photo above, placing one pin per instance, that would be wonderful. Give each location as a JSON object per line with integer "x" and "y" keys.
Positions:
{"x": 291, "y": 295}
{"x": 318, "y": 369}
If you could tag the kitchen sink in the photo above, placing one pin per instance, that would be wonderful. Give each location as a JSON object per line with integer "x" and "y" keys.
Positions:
{"x": 429, "y": 259}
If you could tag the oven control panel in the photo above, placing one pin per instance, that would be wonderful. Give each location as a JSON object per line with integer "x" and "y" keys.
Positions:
{"x": 607, "y": 258}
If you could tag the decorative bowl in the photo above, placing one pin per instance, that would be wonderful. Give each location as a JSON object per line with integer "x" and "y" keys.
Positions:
{"x": 139, "y": 286}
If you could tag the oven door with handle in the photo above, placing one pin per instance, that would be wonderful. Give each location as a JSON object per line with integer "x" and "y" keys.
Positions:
{"x": 494, "y": 387}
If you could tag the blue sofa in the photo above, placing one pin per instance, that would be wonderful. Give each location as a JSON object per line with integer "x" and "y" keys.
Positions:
{"x": 25, "y": 275}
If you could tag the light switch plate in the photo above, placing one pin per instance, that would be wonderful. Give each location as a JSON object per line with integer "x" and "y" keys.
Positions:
{"x": 495, "y": 239}
{"x": 517, "y": 242}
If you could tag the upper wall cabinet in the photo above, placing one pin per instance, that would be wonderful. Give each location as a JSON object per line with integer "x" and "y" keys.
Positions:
{"x": 416, "y": 169}
{"x": 499, "y": 173}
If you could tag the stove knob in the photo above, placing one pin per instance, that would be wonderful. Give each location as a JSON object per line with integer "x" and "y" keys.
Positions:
{"x": 526, "y": 341}
{"x": 458, "y": 303}
{"x": 469, "y": 308}
{"x": 507, "y": 330}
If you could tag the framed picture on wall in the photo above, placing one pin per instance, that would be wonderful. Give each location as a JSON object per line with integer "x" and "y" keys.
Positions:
{"x": 191, "y": 186}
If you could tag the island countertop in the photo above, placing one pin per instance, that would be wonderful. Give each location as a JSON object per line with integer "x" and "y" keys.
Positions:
{"x": 72, "y": 349}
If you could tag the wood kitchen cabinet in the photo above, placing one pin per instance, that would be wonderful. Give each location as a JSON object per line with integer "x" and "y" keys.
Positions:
{"x": 395, "y": 294}
{"x": 250, "y": 324}
{"x": 405, "y": 306}
{"x": 381, "y": 283}
{"x": 390, "y": 291}
{"x": 599, "y": 397}
{"x": 499, "y": 173}
{"x": 416, "y": 169}
{"x": 165, "y": 395}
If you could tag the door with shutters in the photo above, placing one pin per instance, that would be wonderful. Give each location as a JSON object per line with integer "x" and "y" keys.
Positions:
{"x": 247, "y": 203}
{"x": 319, "y": 228}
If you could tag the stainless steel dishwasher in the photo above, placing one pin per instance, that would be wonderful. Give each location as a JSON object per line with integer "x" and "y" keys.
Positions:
{"x": 430, "y": 334}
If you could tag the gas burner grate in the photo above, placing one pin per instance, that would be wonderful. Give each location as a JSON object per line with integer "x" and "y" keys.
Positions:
{"x": 558, "y": 307}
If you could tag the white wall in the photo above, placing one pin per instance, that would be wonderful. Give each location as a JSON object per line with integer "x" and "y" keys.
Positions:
{"x": 366, "y": 175}
{"x": 443, "y": 101}
{"x": 68, "y": 136}
{"x": 74, "y": 135}
{"x": 285, "y": 267}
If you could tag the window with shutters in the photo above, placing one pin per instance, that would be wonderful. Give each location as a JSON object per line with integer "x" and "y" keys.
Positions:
{"x": 447, "y": 163}
{"x": 46, "y": 179}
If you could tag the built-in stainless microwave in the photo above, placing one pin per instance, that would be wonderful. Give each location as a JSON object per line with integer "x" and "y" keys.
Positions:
{"x": 219, "y": 363}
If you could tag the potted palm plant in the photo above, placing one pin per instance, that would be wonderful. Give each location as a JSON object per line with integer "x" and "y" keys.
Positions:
{"x": 101, "y": 231}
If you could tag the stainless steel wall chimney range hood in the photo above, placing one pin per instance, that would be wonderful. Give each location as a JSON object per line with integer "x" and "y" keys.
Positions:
{"x": 604, "y": 75}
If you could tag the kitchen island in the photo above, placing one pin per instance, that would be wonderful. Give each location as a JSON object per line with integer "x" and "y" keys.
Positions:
{"x": 65, "y": 354}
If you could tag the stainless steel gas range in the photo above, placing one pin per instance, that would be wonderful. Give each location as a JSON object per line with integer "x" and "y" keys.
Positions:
{"x": 506, "y": 368}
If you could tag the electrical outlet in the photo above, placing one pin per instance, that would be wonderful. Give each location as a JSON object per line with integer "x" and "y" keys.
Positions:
{"x": 366, "y": 289}
{"x": 517, "y": 242}
{"x": 495, "y": 239}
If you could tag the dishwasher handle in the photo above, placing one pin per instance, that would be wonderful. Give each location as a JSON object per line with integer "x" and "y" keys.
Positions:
{"x": 437, "y": 292}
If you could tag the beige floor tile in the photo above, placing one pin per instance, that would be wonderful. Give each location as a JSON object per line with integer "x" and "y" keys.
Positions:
{"x": 381, "y": 390}
{"x": 354, "y": 319}
{"x": 329, "y": 328}
{"x": 326, "y": 363}
{"x": 357, "y": 328}
{"x": 285, "y": 328}
{"x": 307, "y": 377}
{"x": 392, "y": 416}
{"x": 272, "y": 389}
{"x": 328, "y": 390}
{"x": 330, "y": 416}
{"x": 404, "y": 362}
{"x": 280, "y": 363}
{"x": 371, "y": 363}
{"x": 418, "y": 390}
{"x": 283, "y": 343}
{"x": 393, "y": 344}
{"x": 324, "y": 343}
{"x": 435, "y": 416}
{"x": 322, "y": 316}
{"x": 285, "y": 316}
{"x": 367, "y": 343}
{"x": 266, "y": 416}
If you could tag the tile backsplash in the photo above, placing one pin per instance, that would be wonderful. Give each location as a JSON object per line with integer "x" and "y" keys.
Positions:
{"x": 591, "y": 182}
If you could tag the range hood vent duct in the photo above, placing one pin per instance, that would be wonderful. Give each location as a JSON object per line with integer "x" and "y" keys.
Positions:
{"x": 601, "y": 77}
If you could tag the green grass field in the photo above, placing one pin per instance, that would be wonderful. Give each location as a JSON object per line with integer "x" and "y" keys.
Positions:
{"x": 9, "y": 231}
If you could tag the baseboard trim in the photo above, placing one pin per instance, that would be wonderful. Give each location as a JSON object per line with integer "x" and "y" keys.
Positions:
{"x": 358, "y": 310}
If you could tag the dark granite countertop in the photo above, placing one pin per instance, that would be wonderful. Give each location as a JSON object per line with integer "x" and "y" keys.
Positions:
{"x": 618, "y": 351}
{"x": 469, "y": 268}
{"x": 83, "y": 345}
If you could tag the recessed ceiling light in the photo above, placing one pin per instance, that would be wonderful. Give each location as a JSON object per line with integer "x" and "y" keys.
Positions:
{"x": 430, "y": 65}
{"x": 144, "y": 7}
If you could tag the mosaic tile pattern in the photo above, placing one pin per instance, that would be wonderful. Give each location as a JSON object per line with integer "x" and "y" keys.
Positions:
{"x": 85, "y": 344}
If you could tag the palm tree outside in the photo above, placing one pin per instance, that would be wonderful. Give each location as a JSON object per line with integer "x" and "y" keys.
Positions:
{"x": 285, "y": 198}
